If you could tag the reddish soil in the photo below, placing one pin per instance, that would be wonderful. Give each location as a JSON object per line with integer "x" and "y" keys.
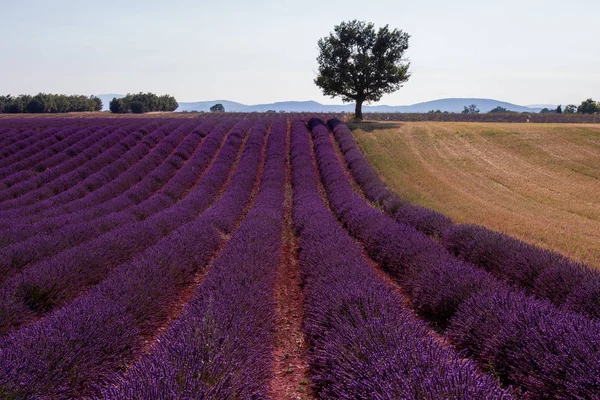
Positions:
{"x": 185, "y": 295}
{"x": 290, "y": 367}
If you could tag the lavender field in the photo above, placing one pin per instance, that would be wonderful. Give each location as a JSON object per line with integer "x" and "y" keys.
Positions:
{"x": 259, "y": 256}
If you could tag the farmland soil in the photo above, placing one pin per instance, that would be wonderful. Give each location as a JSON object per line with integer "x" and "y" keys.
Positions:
{"x": 291, "y": 367}
{"x": 186, "y": 294}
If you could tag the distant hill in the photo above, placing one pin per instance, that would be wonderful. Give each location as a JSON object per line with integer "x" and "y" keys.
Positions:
{"x": 450, "y": 105}
{"x": 458, "y": 104}
{"x": 540, "y": 106}
{"x": 231, "y": 106}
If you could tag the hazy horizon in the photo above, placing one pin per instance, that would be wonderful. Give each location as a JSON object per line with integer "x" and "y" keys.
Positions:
{"x": 539, "y": 52}
{"x": 329, "y": 101}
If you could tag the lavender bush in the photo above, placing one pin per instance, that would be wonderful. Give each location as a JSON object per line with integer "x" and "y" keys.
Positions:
{"x": 141, "y": 293}
{"x": 135, "y": 185}
{"x": 51, "y": 282}
{"x": 363, "y": 343}
{"x": 221, "y": 346}
{"x": 540, "y": 272}
{"x": 442, "y": 289}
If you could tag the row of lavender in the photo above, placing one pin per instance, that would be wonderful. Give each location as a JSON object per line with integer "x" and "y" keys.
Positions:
{"x": 22, "y": 144}
{"x": 33, "y": 153}
{"x": 63, "y": 185}
{"x": 222, "y": 345}
{"x": 24, "y": 230}
{"x": 128, "y": 189}
{"x": 15, "y": 137}
{"x": 540, "y": 272}
{"x": 29, "y": 242}
{"x": 64, "y": 139}
{"x": 24, "y": 160}
{"x": 52, "y": 281}
{"x": 82, "y": 346}
{"x": 544, "y": 350}
{"x": 112, "y": 206}
{"x": 102, "y": 304}
{"x": 92, "y": 170}
{"x": 363, "y": 343}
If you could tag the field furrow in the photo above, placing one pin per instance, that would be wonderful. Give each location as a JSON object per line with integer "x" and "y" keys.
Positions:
{"x": 52, "y": 193}
{"x": 135, "y": 300}
{"x": 48, "y": 284}
{"x": 222, "y": 344}
{"x": 363, "y": 343}
{"x": 260, "y": 256}
{"x": 453, "y": 294}
{"x": 291, "y": 368}
{"x": 540, "y": 272}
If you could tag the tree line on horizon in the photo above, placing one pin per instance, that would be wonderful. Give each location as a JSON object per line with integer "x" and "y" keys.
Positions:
{"x": 356, "y": 62}
{"x": 48, "y": 103}
{"x": 140, "y": 103}
{"x": 588, "y": 106}
{"x": 148, "y": 102}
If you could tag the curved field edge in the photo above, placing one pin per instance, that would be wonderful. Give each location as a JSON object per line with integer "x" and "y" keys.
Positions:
{"x": 538, "y": 183}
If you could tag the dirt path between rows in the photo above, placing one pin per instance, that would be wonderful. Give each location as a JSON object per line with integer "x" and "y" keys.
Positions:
{"x": 186, "y": 293}
{"x": 290, "y": 365}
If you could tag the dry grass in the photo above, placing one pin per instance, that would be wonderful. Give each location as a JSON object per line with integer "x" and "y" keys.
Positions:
{"x": 540, "y": 183}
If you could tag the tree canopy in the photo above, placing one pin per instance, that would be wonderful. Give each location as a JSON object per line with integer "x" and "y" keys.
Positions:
{"x": 49, "y": 103}
{"x": 143, "y": 102}
{"x": 588, "y": 107}
{"x": 217, "y": 108}
{"x": 361, "y": 64}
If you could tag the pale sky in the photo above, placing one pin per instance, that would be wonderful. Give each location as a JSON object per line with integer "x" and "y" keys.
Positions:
{"x": 525, "y": 52}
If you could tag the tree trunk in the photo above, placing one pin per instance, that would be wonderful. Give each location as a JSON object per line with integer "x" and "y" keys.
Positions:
{"x": 358, "y": 109}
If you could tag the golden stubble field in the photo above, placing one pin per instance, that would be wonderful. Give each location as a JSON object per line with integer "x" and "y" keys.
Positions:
{"x": 536, "y": 182}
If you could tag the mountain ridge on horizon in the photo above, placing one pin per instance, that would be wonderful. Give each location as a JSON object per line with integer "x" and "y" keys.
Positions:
{"x": 454, "y": 104}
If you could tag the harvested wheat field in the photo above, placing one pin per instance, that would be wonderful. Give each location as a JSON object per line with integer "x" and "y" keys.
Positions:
{"x": 537, "y": 182}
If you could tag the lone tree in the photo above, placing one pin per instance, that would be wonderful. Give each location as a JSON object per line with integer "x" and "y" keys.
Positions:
{"x": 361, "y": 64}
{"x": 217, "y": 108}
